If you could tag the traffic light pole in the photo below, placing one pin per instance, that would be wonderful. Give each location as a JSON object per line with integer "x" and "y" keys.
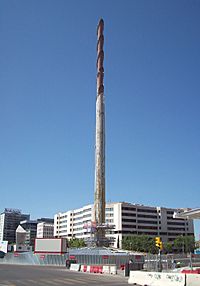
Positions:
{"x": 159, "y": 261}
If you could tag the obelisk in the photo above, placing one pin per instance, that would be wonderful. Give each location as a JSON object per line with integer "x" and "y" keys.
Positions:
{"x": 99, "y": 202}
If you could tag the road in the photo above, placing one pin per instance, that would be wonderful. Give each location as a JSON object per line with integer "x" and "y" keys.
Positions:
{"x": 20, "y": 275}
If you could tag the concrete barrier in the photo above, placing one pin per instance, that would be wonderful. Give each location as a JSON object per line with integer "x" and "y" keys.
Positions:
{"x": 157, "y": 279}
{"x": 88, "y": 268}
{"x": 113, "y": 269}
{"x": 83, "y": 268}
{"x": 106, "y": 269}
{"x": 75, "y": 267}
{"x": 192, "y": 279}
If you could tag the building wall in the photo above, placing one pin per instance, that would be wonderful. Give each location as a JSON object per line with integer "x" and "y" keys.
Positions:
{"x": 31, "y": 226}
{"x": 154, "y": 221}
{"x": 10, "y": 219}
{"x": 128, "y": 219}
{"x": 2, "y": 219}
{"x": 45, "y": 230}
{"x": 31, "y": 229}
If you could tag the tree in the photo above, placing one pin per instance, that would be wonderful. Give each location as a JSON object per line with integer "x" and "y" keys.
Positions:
{"x": 185, "y": 244}
{"x": 179, "y": 244}
{"x": 189, "y": 242}
{"x": 141, "y": 243}
{"x": 77, "y": 243}
{"x": 168, "y": 247}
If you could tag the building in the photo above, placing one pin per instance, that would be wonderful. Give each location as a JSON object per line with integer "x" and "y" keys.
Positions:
{"x": 188, "y": 213}
{"x": 21, "y": 235}
{"x": 128, "y": 219}
{"x": 45, "y": 230}
{"x": 22, "y": 240}
{"x": 9, "y": 221}
{"x": 30, "y": 226}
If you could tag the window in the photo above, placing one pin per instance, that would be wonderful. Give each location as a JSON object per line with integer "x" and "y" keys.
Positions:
{"x": 147, "y": 211}
{"x": 128, "y": 208}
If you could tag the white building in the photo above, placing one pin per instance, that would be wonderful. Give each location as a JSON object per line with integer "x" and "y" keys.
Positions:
{"x": 45, "y": 230}
{"x": 21, "y": 235}
{"x": 128, "y": 219}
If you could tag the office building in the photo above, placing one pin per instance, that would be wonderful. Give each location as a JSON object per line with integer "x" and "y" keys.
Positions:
{"x": 45, "y": 230}
{"x": 128, "y": 219}
{"x": 30, "y": 226}
{"x": 9, "y": 221}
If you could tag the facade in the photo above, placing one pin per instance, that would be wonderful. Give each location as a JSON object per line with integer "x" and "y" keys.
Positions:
{"x": 9, "y": 221}
{"x": 188, "y": 213}
{"x": 128, "y": 219}
{"x": 21, "y": 235}
{"x": 45, "y": 230}
{"x": 30, "y": 227}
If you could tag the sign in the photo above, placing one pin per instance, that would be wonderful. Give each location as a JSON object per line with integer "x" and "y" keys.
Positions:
{"x": 8, "y": 210}
{"x": 90, "y": 226}
{"x": 4, "y": 246}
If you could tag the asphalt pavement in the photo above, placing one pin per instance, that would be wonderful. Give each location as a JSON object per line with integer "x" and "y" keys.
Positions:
{"x": 21, "y": 275}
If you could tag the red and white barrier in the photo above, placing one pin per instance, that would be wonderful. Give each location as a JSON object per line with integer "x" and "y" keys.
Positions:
{"x": 83, "y": 268}
{"x": 106, "y": 269}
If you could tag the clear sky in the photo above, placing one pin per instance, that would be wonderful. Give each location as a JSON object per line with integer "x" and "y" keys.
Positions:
{"x": 47, "y": 103}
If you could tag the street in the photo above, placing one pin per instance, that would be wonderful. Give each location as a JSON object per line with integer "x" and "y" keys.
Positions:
{"x": 19, "y": 275}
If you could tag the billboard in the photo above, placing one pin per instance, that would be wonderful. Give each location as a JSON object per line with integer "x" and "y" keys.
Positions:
{"x": 4, "y": 246}
{"x": 50, "y": 245}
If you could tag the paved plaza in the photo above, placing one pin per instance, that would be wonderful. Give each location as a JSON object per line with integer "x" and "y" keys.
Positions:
{"x": 20, "y": 275}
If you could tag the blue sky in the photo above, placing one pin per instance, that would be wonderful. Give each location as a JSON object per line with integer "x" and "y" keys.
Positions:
{"x": 48, "y": 91}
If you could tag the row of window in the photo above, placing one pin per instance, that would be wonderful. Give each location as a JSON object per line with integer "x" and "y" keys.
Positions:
{"x": 152, "y": 222}
{"x": 176, "y": 223}
{"x": 175, "y": 228}
{"x": 109, "y": 221}
{"x": 139, "y": 227}
{"x": 139, "y": 210}
{"x": 83, "y": 211}
{"x": 109, "y": 209}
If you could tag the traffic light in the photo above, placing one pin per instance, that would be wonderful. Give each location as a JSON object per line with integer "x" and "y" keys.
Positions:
{"x": 158, "y": 242}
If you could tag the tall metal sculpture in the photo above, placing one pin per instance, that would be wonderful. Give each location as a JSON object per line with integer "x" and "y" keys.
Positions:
{"x": 99, "y": 202}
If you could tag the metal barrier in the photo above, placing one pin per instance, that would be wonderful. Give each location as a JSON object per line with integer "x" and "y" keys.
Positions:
{"x": 30, "y": 258}
{"x": 171, "y": 261}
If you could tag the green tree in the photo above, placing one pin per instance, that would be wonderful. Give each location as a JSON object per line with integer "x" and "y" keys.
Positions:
{"x": 185, "y": 244}
{"x": 76, "y": 242}
{"x": 179, "y": 244}
{"x": 189, "y": 243}
{"x": 168, "y": 247}
{"x": 141, "y": 243}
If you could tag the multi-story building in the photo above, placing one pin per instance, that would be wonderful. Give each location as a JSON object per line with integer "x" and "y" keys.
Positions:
{"x": 127, "y": 219}
{"x": 9, "y": 221}
{"x": 31, "y": 228}
{"x": 45, "y": 230}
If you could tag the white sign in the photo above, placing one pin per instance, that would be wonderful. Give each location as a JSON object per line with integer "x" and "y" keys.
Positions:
{"x": 4, "y": 246}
